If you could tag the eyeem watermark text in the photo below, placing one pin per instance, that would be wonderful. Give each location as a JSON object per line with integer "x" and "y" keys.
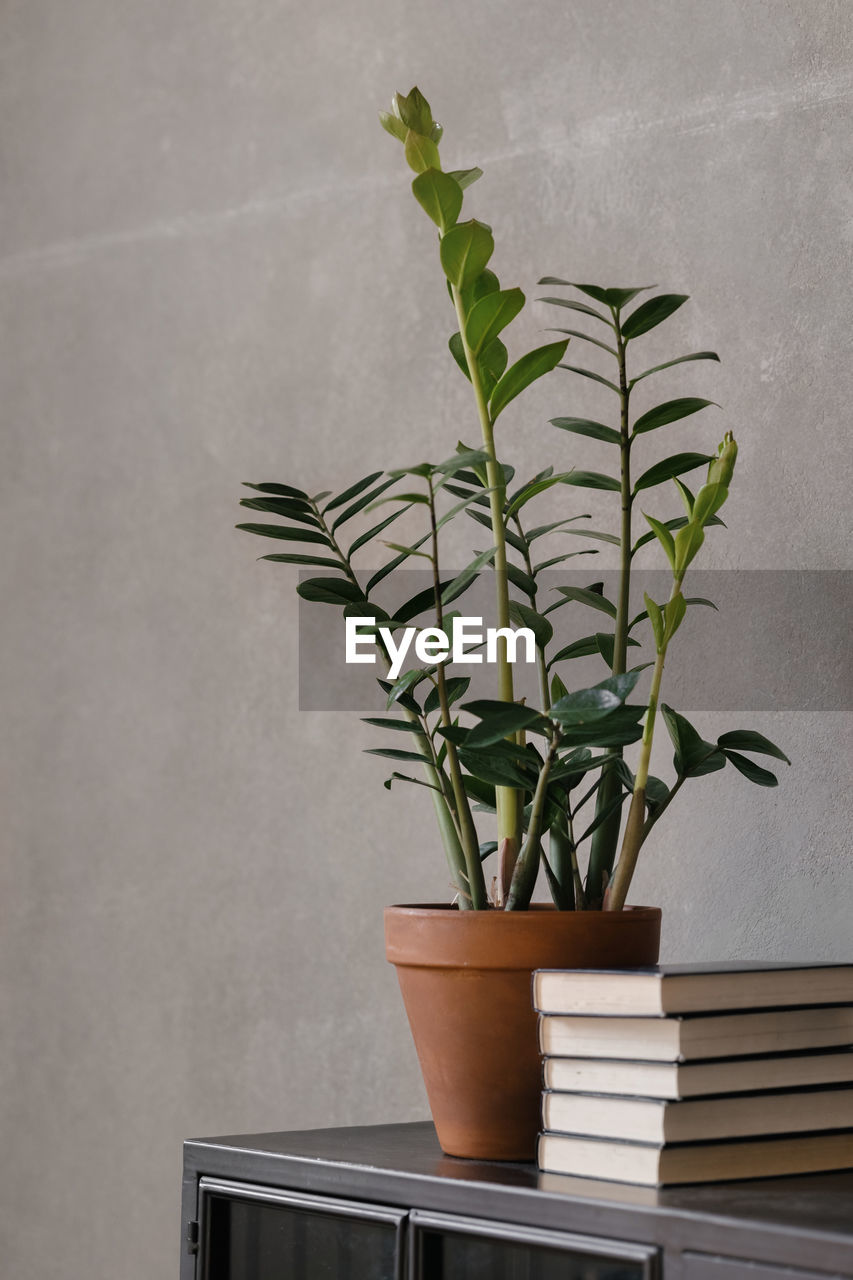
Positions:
{"x": 433, "y": 644}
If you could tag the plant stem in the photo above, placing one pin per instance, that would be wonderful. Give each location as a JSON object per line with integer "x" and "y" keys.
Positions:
{"x": 527, "y": 867}
{"x": 606, "y": 837}
{"x": 635, "y": 833}
{"x": 560, "y": 851}
{"x": 467, "y": 830}
{"x": 507, "y": 798}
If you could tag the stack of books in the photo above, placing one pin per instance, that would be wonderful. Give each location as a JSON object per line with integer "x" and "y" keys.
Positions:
{"x": 700, "y": 1073}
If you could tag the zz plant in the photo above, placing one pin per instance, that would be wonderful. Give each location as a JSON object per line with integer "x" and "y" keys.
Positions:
{"x": 555, "y": 769}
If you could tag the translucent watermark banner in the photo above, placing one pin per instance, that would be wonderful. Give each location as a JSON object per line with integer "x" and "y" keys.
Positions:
{"x": 752, "y": 639}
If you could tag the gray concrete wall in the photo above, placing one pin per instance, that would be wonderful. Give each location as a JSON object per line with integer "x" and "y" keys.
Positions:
{"x": 212, "y": 270}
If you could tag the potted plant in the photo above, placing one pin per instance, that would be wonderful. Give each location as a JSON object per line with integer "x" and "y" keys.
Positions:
{"x": 556, "y": 769}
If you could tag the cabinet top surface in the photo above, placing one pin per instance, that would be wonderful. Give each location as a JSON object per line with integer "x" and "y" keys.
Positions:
{"x": 407, "y": 1157}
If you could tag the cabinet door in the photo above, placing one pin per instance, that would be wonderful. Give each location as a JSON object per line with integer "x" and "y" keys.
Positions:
{"x": 258, "y": 1233}
{"x": 451, "y": 1248}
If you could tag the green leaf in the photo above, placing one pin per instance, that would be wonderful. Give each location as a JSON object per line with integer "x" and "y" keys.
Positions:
{"x": 651, "y": 313}
{"x": 677, "y": 465}
{"x": 584, "y": 648}
{"x": 688, "y": 600}
{"x": 558, "y": 689}
{"x": 587, "y": 596}
{"x": 392, "y": 753}
{"x": 693, "y": 755}
{"x": 751, "y": 770}
{"x": 462, "y": 580}
{"x": 404, "y": 777}
{"x": 673, "y": 615}
{"x": 324, "y": 562}
{"x": 421, "y": 152}
{"x": 670, "y": 411}
{"x": 392, "y": 564}
{"x": 498, "y": 720}
{"x": 749, "y": 740}
{"x": 456, "y": 688}
{"x": 576, "y": 306}
{"x": 490, "y": 315}
{"x": 413, "y": 499}
{"x": 457, "y": 350}
{"x": 535, "y": 487}
{"x": 686, "y": 497}
{"x": 460, "y": 506}
{"x": 453, "y": 733}
{"x": 486, "y": 282}
{"x": 525, "y": 371}
{"x": 610, "y": 297}
{"x": 687, "y": 543}
{"x": 593, "y": 291}
{"x": 439, "y": 195}
{"x": 585, "y": 706}
{"x": 384, "y": 722}
{"x": 461, "y": 459}
{"x": 465, "y": 177}
{"x": 602, "y": 816}
{"x": 283, "y": 507}
{"x": 605, "y": 642}
{"x": 330, "y": 591}
{"x": 520, "y": 579}
{"x": 400, "y": 690}
{"x": 363, "y": 501}
{"x": 408, "y": 551}
{"x": 697, "y": 355}
{"x": 352, "y": 491}
{"x": 623, "y": 683}
{"x": 492, "y": 361}
{"x": 542, "y": 529}
{"x": 417, "y": 604}
{"x": 656, "y": 619}
{"x": 678, "y": 522}
{"x": 364, "y": 538}
{"x": 465, "y": 250}
{"x": 283, "y": 490}
{"x": 414, "y": 110}
{"x": 393, "y": 125}
{"x": 618, "y": 729}
{"x": 664, "y": 536}
{"x": 621, "y": 297}
{"x": 482, "y": 792}
{"x": 585, "y": 427}
{"x": 286, "y": 533}
{"x": 567, "y": 555}
{"x": 596, "y": 377}
{"x": 593, "y": 480}
{"x": 523, "y": 616}
{"x": 587, "y": 337}
{"x": 512, "y": 538}
{"x": 499, "y": 764}
{"x": 656, "y": 793}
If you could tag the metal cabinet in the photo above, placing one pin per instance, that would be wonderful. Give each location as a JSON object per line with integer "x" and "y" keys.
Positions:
{"x": 384, "y": 1203}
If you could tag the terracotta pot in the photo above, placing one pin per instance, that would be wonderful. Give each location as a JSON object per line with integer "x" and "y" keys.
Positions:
{"x": 465, "y": 979}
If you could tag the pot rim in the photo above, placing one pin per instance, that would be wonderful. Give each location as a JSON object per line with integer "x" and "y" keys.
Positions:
{"x": 424, "y": 935}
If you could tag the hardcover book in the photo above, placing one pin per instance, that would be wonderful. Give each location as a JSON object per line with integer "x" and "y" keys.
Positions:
{"x": 690, "y": 988}
{"x": 690, "y": 1037}
{"x": 694, "y": 1079}
{"x": 655, "y": 1166}
{"x": 698, "y": 1119}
